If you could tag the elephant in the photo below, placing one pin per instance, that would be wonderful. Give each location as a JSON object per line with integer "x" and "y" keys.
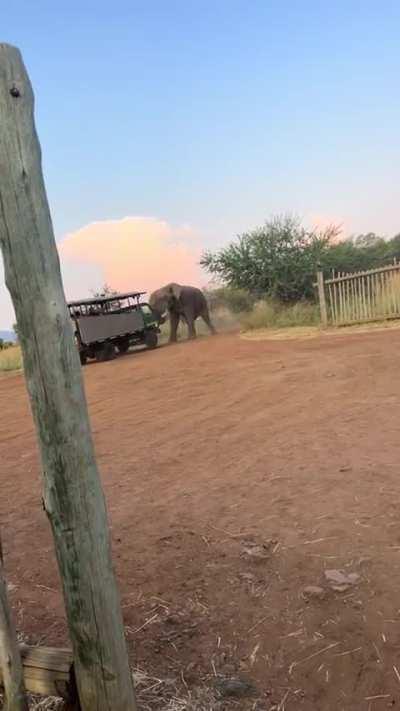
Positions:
{"x": 181, "y": 302}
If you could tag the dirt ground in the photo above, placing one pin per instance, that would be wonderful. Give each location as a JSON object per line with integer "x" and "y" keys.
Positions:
{"x": 237, "y": 472}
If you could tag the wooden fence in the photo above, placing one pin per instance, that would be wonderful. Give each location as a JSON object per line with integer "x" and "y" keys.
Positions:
{"x": 372, "y": 295}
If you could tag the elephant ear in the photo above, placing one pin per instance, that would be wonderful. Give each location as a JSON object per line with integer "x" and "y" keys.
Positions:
{"x": 175, "y": 290}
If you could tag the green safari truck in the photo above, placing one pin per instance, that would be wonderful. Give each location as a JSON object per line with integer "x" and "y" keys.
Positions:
{"x": 107, "y": 326}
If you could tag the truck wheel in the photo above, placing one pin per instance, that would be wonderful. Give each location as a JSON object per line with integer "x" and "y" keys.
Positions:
{"x": 83, "y": 357}
{"x": 106, "y": 352}
{"x": 123, "y": 346}
{"x": 150, "y": 340}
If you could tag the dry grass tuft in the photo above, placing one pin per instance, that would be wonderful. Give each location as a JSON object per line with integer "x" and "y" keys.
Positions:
{"x": 270, "y": 314}
{"x": 155, "y": 694}
{"x": 10, "y": 359}
{"x": 51, "y": 703}
{"x": 387, "y": 297}
{"x": 152, "y": 694}
{"x": 197, "y": 700}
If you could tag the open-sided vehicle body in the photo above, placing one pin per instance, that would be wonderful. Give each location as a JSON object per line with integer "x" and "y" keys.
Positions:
{"x": 107, "y": 325}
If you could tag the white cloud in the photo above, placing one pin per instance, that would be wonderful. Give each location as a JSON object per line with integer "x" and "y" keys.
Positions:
{"x": 140, "y": 253}
{"x": 134, "y": 253}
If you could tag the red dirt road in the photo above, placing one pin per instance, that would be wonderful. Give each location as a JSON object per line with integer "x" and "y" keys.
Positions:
{"x": 236, "y": 472}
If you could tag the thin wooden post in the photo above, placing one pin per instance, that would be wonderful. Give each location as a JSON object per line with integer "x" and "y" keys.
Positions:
{"x": 375, "y": 287}
{"x": 353, "y": 301}
{"x": 386, "y": 292}
{"x": 392, "y": 294}
{"x": 335, "y": 299}
{"x": 331, "y": 303}
{"x": 10, "y": 658}
{"x": 347, "y": 301}
{"x": 73, "y": 497}
{"x": 321, "y": 297}
{"x": 368, "y": 297}
{"x": 340, "y": 291}
{"x": 382, "y": 294}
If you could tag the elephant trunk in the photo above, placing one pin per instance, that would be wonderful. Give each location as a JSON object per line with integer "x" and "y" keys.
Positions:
{"x": 160, "y": 316}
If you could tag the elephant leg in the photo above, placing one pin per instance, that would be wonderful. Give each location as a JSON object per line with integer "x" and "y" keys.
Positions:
{"x": 207, "y": 320}
{"x": 188, "y": 316}
{"x": 173, "y": 324}
{"x": 191, "y": 328}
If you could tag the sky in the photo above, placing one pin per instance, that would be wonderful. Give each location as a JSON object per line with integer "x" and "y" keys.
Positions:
{"x": 171, "y": 126}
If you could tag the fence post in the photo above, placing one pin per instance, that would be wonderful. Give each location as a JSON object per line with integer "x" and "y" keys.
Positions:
{"x": 321, "y": 297}
{"x": 10, "y": 658}
{"x": 73, "y": 497}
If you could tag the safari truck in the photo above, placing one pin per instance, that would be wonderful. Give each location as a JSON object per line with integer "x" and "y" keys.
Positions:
{"x": 106, "y": 326}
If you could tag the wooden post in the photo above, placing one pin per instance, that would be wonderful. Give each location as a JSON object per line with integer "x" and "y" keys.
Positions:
{"x": 10, "y": 658}
{"x": 321, "y": 296}
{"x": 73, "y": 496}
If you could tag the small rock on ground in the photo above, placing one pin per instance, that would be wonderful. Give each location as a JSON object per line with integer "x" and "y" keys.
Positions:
{"x": 255, "y": 551}
{"x": 341, "y": 581}
{"x": 235, "y": 687}
{"x": 313, "y": 592}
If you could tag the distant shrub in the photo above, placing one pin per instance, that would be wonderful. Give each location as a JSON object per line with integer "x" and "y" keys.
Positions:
{"x": 272, "y": 314}
{"x": 236, "y": 300}
{"x": 10, "y": 359}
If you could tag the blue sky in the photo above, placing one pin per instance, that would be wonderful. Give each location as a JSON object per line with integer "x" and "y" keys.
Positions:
{"x": 214, "y": 114}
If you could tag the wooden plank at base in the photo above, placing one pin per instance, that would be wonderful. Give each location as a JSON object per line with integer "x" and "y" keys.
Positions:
{"x": 49, "y": 672}
{"x": 46, "y": 685}
{"x": 47, "y": 658}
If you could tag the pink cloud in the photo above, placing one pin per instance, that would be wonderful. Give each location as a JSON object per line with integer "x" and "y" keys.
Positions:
{"x": 134, "y": 253}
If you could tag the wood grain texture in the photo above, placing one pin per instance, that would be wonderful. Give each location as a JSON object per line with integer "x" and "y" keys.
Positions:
{"x": 73, "y": 496}
{"x": 10, "y": 658}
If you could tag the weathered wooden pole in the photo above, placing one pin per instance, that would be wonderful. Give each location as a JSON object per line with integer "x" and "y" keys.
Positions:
{"x": 10, "y": 658}
{"x": 73, "y": 496}
{"x": 322, "y": 298}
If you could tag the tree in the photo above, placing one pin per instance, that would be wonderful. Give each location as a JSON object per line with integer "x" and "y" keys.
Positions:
{"x": 278, "y": 260}
{"x": 357, "y": 253}
{"x": 368, "y": 240}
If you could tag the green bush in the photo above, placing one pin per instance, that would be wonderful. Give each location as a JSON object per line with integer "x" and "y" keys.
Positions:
{"x": 277, "y": 260}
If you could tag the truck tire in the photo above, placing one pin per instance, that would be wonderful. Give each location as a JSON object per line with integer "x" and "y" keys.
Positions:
{"x": 105, "y": 352}
{"x": 150, "y": 340}
{"x": 83, "y": 357}
{"x": 123, "y": 346}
